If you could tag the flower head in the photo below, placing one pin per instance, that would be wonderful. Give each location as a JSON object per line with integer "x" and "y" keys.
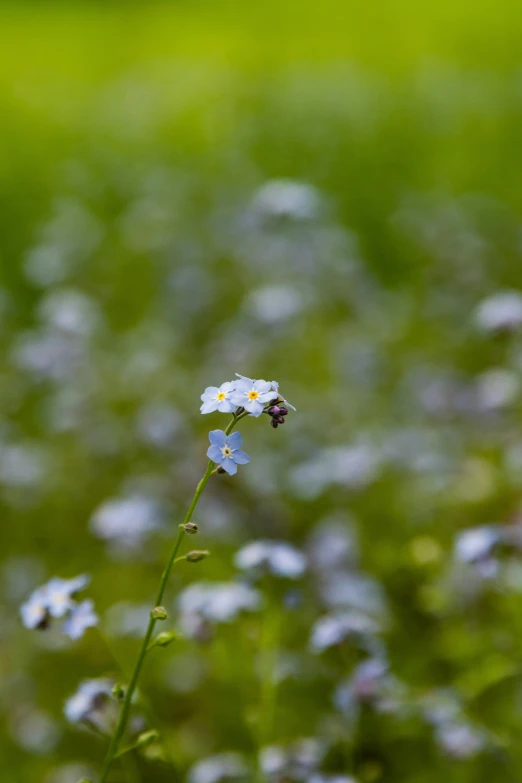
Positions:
{"x": 218, "y": 398}
{"x": 55, "y": 599}
{"x": 81, "y": 617}
{"x": 59, "y": 594}
{"x": 225, "y": 451}
{"x": 218, "y": 602}
{"x": 87, "y": 700}
{"x": 34, "y": 612}
{"x": 252, "y": 395}
{"x": 276, "y": 557}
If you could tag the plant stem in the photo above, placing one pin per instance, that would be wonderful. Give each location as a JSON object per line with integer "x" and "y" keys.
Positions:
{"x": 124, "y": 714}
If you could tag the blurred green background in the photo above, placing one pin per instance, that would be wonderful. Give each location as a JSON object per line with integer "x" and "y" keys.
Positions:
{"x": 323, "y": 193}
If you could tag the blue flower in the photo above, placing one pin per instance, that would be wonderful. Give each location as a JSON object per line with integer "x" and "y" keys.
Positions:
{"x": 89, "y": 697}
{"x": 252, "y": 395}
{"x": 34, "y": 611}
{"x": 219, "y": 399}
{"x": 225, "y": 451}
{"x": 59, "y": 593}
{"x": 55, "y": 599}
{"x": 82, "y": 616}
{"x": 276, "y": 557}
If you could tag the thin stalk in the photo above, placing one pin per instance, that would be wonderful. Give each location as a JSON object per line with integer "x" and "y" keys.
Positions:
{"x": 124, "y": 714}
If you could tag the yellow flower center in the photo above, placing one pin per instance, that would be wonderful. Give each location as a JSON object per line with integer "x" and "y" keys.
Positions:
{"x": 221, "y": 396}
{"x": 253, "y": 395}
{"x": 226, "y": 451}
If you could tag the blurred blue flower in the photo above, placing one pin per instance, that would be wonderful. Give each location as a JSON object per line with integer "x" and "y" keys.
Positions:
{"x": 276, "y": 557}
{"x": 59, "y": 593}
{"x": 217, "y": 601}
{"x": 225, "y": 451}
{"x": 82, "y": 616}
{"x": 34, "y": 612}
{"x": 218, "y": 768}
{"x": 88, "y": 699}
{"x": 252, "y": 395}
{"x": 297, "y": 761}
{"x": 333, "y": 629}
{"x": 55, "y": 599}
{"x": 218, "y": 398}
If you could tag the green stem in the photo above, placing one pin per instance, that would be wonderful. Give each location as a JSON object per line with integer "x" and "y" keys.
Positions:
{"x": 124, "y": 714}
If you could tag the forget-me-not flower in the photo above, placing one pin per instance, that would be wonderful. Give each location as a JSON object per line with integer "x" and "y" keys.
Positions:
{"x": 225, "y": 451}
{"x": 60, "y": 593}
{"x": 252, "y": 395}
{"x": 276, "y": 557}
{"x": 218, "y": 398}
{"x": 89, "y": 697}
{"x": 55, "y": 599}
{"x": 34, "y": 612}
{"x": 81, "y": 617}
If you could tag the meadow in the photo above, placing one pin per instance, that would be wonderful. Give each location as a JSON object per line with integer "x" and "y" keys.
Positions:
{"x": 327, "y": 195}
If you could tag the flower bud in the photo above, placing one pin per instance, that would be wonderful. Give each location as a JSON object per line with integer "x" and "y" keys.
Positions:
{"x": 163, "y": 639}
{"x": 191, "y": 528}
{"x": 159, "y": 613}
{"x": 274, "y": 423}
{"x": 196, "y": 555}
{"x": 118, "y": 692}
{"x": 147, "y": 737}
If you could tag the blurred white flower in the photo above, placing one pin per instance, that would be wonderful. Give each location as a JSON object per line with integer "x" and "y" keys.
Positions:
{"x": 218, "y": 601}
{"x": 275, "y": 557}
{"x": 333, "y": 629}
{"x": 460, "y": 739}
{"x": 34, "y": 730}
{"x": 351, "y": 466}
{"x": 219, "y": 768}
{"x": 294, "y": 762}
{"x": 81, "y": 617}
{"x": 48, "y": 355}
{"x": 274, "y": 303}
{"x": 476, "y": 544}
{"x": 127, "y": 619}
{"x": 158, "y": 423}
{"x": 332, "y": 545}
{"x": 331, "y": 779}
{"x": 34, "y": 612}
{"x": 23, "y": 465}
{"x": 353, "y": 591}
{"x": 126, "y": 521}
{"x": 70, "y": 311}
{"x": 497, "y": 388}
{"x": 500, "y": 312}
{"x": 285, "y": 198}
{"x": 55, "y": 599}
{"x": 88, "y": 700}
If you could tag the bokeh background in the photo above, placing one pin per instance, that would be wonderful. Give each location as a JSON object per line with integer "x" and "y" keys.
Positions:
{"x": 327, "y": 194}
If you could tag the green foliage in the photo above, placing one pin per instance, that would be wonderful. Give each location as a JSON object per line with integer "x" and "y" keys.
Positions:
{"x": 148, "y": 249}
